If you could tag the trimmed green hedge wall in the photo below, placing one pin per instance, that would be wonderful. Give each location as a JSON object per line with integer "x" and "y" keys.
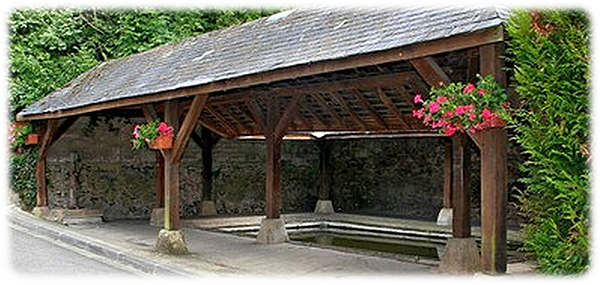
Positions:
{"x": 549, "y": 51}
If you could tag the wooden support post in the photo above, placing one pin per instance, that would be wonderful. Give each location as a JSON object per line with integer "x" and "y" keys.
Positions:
{"x": 40, "y": 169}
{"x": 493, "y": 199}
{"x": 159, "y": 176}
{"x": 324, "y": 169}
{"x": 207, "y": 163}
{"x": 447, "y": 196}
{"x": 493, "y": 146}
{"x": 461, "y": 190}
{"x": 273, "y": 162}
{"x": 171, "y": 173}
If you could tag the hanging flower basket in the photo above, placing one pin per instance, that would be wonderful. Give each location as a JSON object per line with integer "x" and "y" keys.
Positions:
{"x": 32, "y": 139}
{"x": 162, "y": 142}
{"x": 468, "y": 108}
{"x": 155, "y": 135}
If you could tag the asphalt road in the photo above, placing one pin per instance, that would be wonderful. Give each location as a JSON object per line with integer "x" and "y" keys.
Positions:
{"x": 39, "y": 255}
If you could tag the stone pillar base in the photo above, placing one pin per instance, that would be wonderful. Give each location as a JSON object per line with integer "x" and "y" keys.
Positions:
{"x": 444, "y": 217}
{"x": 461, "y": 257}
{"x": 482, "y": 278}
{"x": 207, "y": 208}
{"x": 324, "y": 207}
{"x": 42, "y": 212}
{"x": 171, "y": 242}
{"x": 157, "y": 218}
{"x": 272, "y": 231}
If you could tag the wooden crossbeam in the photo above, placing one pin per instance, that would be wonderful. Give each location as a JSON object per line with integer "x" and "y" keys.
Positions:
{"x": 230, "y": 129}
{"x": 390, "y": 105}
{"x": 348, "y": 109}
{"x": 430, "y": 71}
{"x": 149, "y": 113}
{"x": 380, "y": 121}
{"x": 315, "y": 115}
{"x": 189, "y": 123}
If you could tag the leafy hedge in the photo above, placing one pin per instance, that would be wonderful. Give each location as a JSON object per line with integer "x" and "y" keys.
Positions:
{"x": 22, "y": 174}
{"x": 550, "y": 54}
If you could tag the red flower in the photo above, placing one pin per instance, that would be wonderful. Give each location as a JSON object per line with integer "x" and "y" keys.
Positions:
{"x": 418, "y": 99}
{"x": 434, "y": 107}
{"x": 165, "y": 130}
{"x": 472, "y": 116}
{"x": 486, "y": 114}
{"x": 481, "y": 92}
{"x": 450, "y": 130}
{"x": 460, "y": 110}
{"x": 469, "y": 88}
{"x": 449, "y": 114}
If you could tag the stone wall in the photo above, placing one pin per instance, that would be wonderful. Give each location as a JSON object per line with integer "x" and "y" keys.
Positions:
{"x": 389, "y": 177}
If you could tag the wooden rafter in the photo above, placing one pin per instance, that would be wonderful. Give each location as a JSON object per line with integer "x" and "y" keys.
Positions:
{"x": 230, "y": 129}
{"x": 288, "y": 115}
{"x": 380, "y": 121}
{"x": 347, "y": 108}
{"x": 226, "y": 110}
{"x": 211, "y": 125}
{"x": 315, "y": 115}
{"x": 329, "y": 109}
{"x": 390, "y": 105}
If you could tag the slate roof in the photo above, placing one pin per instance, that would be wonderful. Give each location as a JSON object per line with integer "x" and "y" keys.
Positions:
{"x": 289, "y": 38}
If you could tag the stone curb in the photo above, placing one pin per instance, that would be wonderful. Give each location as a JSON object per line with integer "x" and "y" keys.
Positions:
{"x": 67, "y": 236}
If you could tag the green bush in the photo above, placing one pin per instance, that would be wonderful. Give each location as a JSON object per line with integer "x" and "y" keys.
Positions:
{"x": 549, "y": 51}
{"x": 22, "y": 177}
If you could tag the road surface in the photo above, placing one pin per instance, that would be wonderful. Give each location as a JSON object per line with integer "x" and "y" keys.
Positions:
{"x": 37, "y": 255}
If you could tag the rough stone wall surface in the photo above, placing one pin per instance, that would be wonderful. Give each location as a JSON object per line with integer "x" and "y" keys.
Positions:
{"x": 390, "y": 177}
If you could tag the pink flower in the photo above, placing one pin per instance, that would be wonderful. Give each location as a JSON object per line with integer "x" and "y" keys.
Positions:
{"x": 434, "y": 107}
{"x": 469, "y": 88}
{"x": 469, "y": 107}
{"x": 449, "y": 114}
{"x": 481, "y": 92}
{"x": 135, "y": 131}
{"x": 472, "y": 116}
{"x": 460, "y": 110}
{"x": 486, "y": 114}
{"x": 418, "y": 99}
{"x": 418, "y": 113}
{"x": 441, "y": 100}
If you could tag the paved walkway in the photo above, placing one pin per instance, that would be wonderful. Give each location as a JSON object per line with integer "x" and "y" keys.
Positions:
{"x": 215, "y": 254}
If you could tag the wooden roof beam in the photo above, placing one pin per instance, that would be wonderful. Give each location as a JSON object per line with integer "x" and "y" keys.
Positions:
{"x": 329, "y": 109}
{"x": 189, "y": 123}
{"x": 390, "y": 105}
{"x": 430, "y": 71}
{"x": 230, "y": 129}
{"x": 348, "y": 109}
{"x": 380, "y": 121}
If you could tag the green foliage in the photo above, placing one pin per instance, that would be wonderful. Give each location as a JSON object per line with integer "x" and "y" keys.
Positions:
{"x": 146, "y": 133}
{"x": 47, "y": 44}
{"x": 22, "y": 173}
{"x": 550, "y": 53}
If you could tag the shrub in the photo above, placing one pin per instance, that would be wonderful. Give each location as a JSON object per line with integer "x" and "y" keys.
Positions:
{"x": 549, "y": 51}
{"x": 22, "y": 177}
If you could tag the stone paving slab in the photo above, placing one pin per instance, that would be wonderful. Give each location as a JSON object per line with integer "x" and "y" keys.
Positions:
{"x": 219, "y": 254}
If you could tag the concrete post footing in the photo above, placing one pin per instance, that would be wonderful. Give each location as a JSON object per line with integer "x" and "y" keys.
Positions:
{"x": 444, "y": 217}
{"x": 171, "y": 242}
{"x": 324, "y": 207}
{"x": 272, "y": 231}
{"x": 157, "y": 217}
{"x": 461, "y": 257}
{"x": 207, "y": 208}
{"x": 43, "y": 211}
{"x": 482, "y": 278}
